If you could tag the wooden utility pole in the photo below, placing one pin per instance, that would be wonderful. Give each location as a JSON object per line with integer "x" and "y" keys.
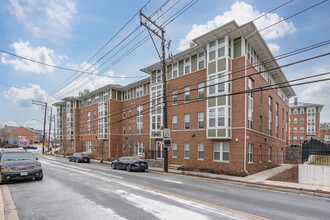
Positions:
{"x": 162, "y": 37}
{"x": 44, "y": 134}
{"x": 50, "y": 127}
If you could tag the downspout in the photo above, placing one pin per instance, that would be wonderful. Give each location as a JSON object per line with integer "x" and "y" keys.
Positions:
{"x": 245, "y": 114}
{"x": 109, "y": 139}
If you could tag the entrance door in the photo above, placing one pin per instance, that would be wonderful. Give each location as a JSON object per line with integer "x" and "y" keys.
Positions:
{"x": 136, "y": 149}
{"x": 159, "y": 150}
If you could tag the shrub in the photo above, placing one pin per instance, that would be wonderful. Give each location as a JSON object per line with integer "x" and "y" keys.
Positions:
{"x": 11, "y": 146}
{"x": 294, "y": 145}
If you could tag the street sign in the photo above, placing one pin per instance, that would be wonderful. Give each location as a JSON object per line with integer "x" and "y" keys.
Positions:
{"x": 167, "y": 133}
{"x": 167, "y": 142}
{"x": 45, "y": 143}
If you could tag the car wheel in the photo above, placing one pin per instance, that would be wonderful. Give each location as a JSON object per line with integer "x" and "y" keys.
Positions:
{"x": 128, "y": 168}
{"x": 70, "y": 160}
{"x": 113, "y": 166}
{"x": 39, "y": 178}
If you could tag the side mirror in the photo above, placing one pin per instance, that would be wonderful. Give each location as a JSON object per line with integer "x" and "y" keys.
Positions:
{"x": 37, "y": 158}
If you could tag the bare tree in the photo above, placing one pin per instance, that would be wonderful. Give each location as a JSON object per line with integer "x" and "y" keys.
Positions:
{"x": 101, "y": 150}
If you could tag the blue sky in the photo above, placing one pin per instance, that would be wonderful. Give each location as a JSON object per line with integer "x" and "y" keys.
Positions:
{"x": 69, "y": 32}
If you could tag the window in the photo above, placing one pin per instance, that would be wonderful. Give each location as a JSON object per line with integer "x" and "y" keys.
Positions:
{"x": 302, "y": 111}
{"x": 175, "y": 70}
{"x": 89, "y": 146}
{"x": 201, "y": 61}
{"x": 174, "y": 122}
{"x": 212, "y": 50}
{"x": 159, "y": 76}
{"x": 200, "y": 90}
{"x": 124, "y": 113}
{"x": 302, "y": 138}
{"x": 89, "y": 101}
{"x": 124, "y": 130}
{"x": 250, "y": 153}
{"x": 174, "y": 149}
{"x": 129, "y": 129}
{"x": 186, "y": 94}
{"x": 139, "y": 91}
{"x": 212, "y": 82}
{"x": 295, "y": 129}
{"x": 250, "y": 104}
{"x": 221, "y": 47}
{"x": 186, "y": 121}
{"x": 153, "y": 123}
{"x": 186, "y": 150}
{"x": 270, "y": 116}
{"x": 260, "y": 153}
{"x": 221, "y": 151}
{"x": 200, "y": 150}
{"x": 187, "y": 66}
{"x": 212, "y": 117}
{"x": 295, "y": 138}
{"x": 106, "y": 96}
{"x": 94, "y": 114}
{"x": 295, "y": 111}
{"x": 301, "y": 120}
{"x": 301, "y": 129}
{"x": 175, "y": 97}
{"x": 221, "y": 117}
{"x": 97, "y": 98}
{"x": 221, "y": 85}
{"x": 129, "y": 112}
{"x": 88, "y": 116}
{"x": 269, "y": 154}
{"x": 200, "y": 120}
{"x": 260, "y": 124}
{"x": 295, "y": 120}
{"x": 124, "y": 147}
{"x": 139, "y": 110}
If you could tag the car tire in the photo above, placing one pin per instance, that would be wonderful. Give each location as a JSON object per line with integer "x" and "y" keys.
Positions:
{"x": 70, "y": 160}
{"x": 39, "y": 178}
{"x": 113, "y": 166}
{"x": 128, "y": 168}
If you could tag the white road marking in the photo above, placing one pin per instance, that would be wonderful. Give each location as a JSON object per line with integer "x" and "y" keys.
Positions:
{"x": 172, "y": 181}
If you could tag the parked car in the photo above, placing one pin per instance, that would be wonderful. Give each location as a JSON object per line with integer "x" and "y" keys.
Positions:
{"x": 19, "y": 165}
{"x": 79, "y": 157}
{"x": 28, "y": 147}
{"x": 130, "y": 163}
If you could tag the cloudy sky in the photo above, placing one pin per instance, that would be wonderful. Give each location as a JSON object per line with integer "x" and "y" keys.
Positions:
{"x": 68, "y": 33}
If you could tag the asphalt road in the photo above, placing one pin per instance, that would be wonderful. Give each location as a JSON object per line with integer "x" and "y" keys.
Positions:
{"x": 95, "y": 191}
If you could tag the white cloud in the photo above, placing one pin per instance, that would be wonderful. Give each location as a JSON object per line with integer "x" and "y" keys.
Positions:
{"x": 40, "y": 54}
{"x": 274, "y": 48}
{"x": 44, "y": 18}
{"x": 242, "y": 13}
{"x": 122, "y": 77}
{"x": 90, "y": 81}
{"x": 317, "y": 93}
{"x": 8, "y": 123}
{"x": 23, "y": 96}
{"x": 33, "y": 124}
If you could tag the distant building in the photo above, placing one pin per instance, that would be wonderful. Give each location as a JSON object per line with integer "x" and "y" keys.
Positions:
{"x": 304, "y": 121}
{"x": 325, "y": 132}
{"x": 29, "y": 134}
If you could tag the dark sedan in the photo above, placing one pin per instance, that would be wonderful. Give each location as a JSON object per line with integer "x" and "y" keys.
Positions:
{"x": 79, "y": 157}
{"x": 130, "y": 163}
{"x": 19, "y": 165}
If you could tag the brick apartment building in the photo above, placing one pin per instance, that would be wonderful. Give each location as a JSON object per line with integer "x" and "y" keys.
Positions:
{"x": 304, "y": 121}
{"x": 325, "y": 132}
{"x": 209, "y": 126}
{"x": 32, "y": 135}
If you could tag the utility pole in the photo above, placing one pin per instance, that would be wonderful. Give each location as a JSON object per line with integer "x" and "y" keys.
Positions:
{"x": 50, "y": 127}
{"x": 162, "y": 37}
{"x": 54, "y": 131}
{"x": 44, "y": 137}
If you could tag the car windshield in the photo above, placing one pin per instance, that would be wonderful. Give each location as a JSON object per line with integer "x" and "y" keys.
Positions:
{"x": 17, "y": 156}
{"x": 84, "y": 155}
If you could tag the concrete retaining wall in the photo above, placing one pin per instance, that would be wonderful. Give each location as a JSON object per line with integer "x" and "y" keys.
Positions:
{"x": 314, "y": 175}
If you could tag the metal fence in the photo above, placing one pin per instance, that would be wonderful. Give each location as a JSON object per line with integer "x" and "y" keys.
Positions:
{"x": 316, "y": 152}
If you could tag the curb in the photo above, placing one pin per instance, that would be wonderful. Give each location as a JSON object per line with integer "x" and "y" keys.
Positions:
{"x": 2, "y": 206}
{"x": 316, "y": 193}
